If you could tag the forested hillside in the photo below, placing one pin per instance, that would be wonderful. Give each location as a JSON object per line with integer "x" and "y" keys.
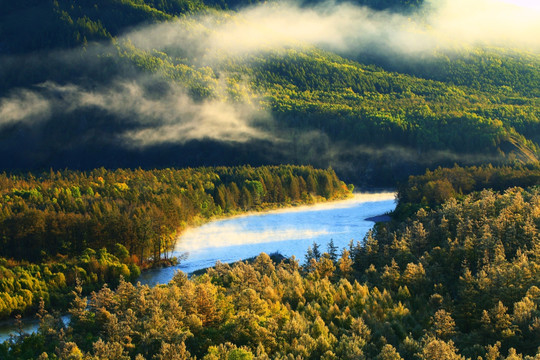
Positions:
{"x": 31, "y": 25}
{"x": 95, "y": 227}
{"x": 441, "y": 184}
{"x": 93, "y": 93}
{"x": 459, "y": 280}
{"x": 374, "y": 114}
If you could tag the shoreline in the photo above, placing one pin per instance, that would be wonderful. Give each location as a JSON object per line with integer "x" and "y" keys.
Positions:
{"x": 379, "y": 218}
{"x": 260, "y": 211}
{"x": 317, "y": 204}
{"x": 351, "y": 200}
{"x": 301, "y": 206}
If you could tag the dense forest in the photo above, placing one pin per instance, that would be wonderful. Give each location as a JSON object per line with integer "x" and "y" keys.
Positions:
{"x": 122, "y": 122}
{"x": 62, "y": 227}
{"x": 67, "y": 23}
{"x": 372, "y": 118}
{"x": 455, "y": 280}
{"x": 435, "y": 187}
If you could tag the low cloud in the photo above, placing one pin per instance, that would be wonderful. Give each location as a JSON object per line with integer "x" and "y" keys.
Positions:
{"x": 346, "y": 27}
{"x": 172, "y": 116}
{"x": 23, "y": 106}
{"x": 317, "y": 148}
{"x": 175, "y": 117}
{"x": 243, "y": 231}
{"x": 218, "y": 235}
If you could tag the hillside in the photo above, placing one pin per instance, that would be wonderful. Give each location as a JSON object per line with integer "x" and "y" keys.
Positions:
{"x": 458, "y": 279}
{"x": 61, "y": 228}
{"x": 219, "y": 99}
{"x": 123, "y": 122}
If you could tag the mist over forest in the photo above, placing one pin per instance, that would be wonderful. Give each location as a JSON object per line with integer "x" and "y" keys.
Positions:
{"x": 375, "y": 92}
{"x": 123, "y": 123}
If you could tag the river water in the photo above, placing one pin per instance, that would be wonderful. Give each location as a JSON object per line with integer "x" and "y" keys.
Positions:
{"x": 286, "y": 231}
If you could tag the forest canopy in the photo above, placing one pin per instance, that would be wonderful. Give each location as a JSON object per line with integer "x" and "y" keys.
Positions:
{"x": 371, "y": 90}
{"x": 76, "y": 85}
{"x": 458, "y": 281}
{"x": 58, "y": 228}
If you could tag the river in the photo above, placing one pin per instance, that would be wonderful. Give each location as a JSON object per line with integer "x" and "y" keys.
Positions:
{"x": 287, "y": 231}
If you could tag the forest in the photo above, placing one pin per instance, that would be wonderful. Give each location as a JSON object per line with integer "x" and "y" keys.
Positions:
{"x": 124, "y": 122}
{"x": 373, "y": 120}
{"x": 458, "y": 279}
{"x": 435, "y": 187}
{"x": 58, "y": 228}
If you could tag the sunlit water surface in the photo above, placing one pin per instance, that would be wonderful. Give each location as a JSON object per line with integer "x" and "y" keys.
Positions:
{"x": 288, "y": 232}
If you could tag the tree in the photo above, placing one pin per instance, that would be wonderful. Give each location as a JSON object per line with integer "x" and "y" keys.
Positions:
{"x": 316, "y": 251}
{"x": 246, "y": 200}
{"x": 332, "y": 250}
{"x": 443, "y": 325}
{"x": 388, "y": 352}
{"x": 345, "y": 264}
{"x": 435, "y": 349}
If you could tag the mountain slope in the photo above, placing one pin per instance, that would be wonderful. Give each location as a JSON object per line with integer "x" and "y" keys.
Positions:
{"x": 181, "y": 92}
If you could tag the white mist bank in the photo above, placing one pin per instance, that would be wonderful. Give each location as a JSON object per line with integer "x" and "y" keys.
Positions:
{"x": 357, "y": 198}
{"x": 174, "y": 117}
{"x": 346, "y": 28}
{"x": 215, "y": 236}
{"x": 530, "y": 4}
{"x": 215, "y": 38}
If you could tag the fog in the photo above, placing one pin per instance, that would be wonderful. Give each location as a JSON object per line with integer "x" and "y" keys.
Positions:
{"x": 23, "y": 106}
{"x": 173, "y": 115}
{"x": 347, "y": 28}
{"x": 221, "y": 236}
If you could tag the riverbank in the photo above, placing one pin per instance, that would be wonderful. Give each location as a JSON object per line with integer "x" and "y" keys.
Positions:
{"x": 317, "y": 203}
{"x": 289, "y": 231}
{"x": 174, "y": 259}
{"x": 262, "y": 209}
{"x": 97, "y": 226}
{"x": 379, "y": 218}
